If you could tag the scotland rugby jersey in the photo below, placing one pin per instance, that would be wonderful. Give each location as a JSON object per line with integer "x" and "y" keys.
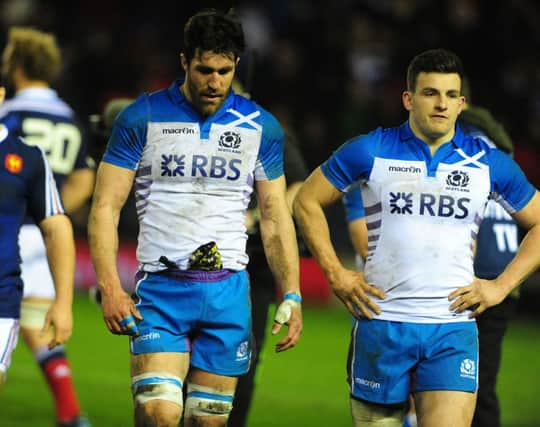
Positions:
{"x": 194, "y": 175}
{"x": 423, "y": 213}
{"x": 26, "y": 187}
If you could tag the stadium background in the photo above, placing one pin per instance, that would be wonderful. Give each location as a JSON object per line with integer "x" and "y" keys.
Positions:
{"x": 328, "y": 70}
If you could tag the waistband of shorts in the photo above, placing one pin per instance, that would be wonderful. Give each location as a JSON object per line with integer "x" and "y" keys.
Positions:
{"x": 191, "y": 275}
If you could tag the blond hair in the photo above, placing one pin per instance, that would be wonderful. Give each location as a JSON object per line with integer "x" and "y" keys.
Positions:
{"x": 36, "y": 52}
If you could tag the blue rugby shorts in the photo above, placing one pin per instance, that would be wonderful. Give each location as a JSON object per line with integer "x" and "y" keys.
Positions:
{"x": 388, "y": 359}
{"x": 205, "y": 313}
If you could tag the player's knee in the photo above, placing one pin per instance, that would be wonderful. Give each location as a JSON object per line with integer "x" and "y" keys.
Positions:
{"x": 33, "y": 314}
{"x": 157, "y": 413}
{"x": 371, "y": 414}
{"x": 156, "y": 386}
{"x": 207, "y": 401}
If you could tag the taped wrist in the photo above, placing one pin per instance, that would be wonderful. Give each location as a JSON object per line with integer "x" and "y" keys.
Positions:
{"x": 283, "y": 312}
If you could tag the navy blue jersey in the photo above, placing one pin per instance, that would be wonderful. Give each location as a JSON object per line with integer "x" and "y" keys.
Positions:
{"x": 497, "y": 242}
{"x": 43, "y": 119}
{"x": 26, "y": 187}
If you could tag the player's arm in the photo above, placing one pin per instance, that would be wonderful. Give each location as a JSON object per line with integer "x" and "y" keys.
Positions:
{"x": 279, "y": 240}
{"x": 482, "y": 294}
{"x": 58, "y": 237}
{"x": 359, "y": 236}
{"x": 77, "y": 189}
{"x": 45, "y": 207}
{"x": 113, "y": 184}
{"x": 290, "y": 194}
{"x": 356, "y": 223}
{"x": 316, "y": 193}
{"x": 527, "y": 259}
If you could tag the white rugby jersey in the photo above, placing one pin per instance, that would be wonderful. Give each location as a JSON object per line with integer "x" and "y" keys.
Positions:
{"x": 423, "y": 213}
{"x": 194, "y": 174}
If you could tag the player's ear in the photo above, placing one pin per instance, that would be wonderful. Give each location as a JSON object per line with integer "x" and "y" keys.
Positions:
{"x": 406, "y": 98}
{"x": 183, "y": 62}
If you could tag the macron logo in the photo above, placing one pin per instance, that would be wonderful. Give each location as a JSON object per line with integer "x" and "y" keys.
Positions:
{"x": 407, "y": 169}
{"x": 184, "y": 131}
{"x": 149, "y": 336}
{"x": 368, "y": 383}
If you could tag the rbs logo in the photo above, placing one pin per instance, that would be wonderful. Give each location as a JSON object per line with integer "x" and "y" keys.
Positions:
{"x": 430, "y": 204}
{"x": 445, "y": 206}
{"x": 213, "y": 167}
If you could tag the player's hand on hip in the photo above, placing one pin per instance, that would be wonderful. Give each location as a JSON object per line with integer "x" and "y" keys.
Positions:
{"x": 289, "y": 313}
{"x": 120, "y": 313}
{"x": 351, "y": 288}
{"x": 476, "y": 297}
{"x": 60, "y": 318}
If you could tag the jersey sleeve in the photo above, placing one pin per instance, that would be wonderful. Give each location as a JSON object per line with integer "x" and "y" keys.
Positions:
{"x": 353, "y": 203}
{"x": 128, "y": 135}
{"x": 350, "y": 162}
{"x": 509, "y": 185}
{"x": 44, "y": 199}
{"x": 270, "y": 160}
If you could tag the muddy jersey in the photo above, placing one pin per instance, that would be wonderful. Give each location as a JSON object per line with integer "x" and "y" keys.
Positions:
{"x": 194, "y": 175}
{"x": 26, "y": 187}
{"x": 423, "y": 213}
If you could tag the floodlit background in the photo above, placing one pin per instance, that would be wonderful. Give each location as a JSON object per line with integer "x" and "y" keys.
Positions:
{"x": 328, "y": 70}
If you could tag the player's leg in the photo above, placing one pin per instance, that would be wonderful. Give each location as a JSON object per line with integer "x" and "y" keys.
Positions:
{"x": 209, "y": 399}
{"x": 53, "y": 363}
{"x": 9, "y": 333}
{"x": 157, "y": 380}
{"x": 446, "y": 378}
{"x": 221, "y": 351}
{"x": 376, "y": 415}
{"x": 492, "y": 325}
{"x": 410, "y": 415}
{"x": 170, "y": 305}
{"x": 381, "y": 356}
{"x": 444, "y": 408}
{"x": 38, "y": 297}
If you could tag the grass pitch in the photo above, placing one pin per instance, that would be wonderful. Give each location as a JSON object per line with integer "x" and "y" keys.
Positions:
{"x": 302, "y": 387}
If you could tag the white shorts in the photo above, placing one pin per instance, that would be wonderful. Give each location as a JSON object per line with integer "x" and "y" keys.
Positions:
{"x": 9, "y": 334}
{"x": 36, "y": 274}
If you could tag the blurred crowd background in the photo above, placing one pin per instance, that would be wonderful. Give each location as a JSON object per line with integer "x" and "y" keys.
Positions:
{"x": 328, "y": 70}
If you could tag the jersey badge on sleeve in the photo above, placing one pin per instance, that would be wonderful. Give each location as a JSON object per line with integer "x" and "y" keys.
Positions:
{"x": 13, "y": 163}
